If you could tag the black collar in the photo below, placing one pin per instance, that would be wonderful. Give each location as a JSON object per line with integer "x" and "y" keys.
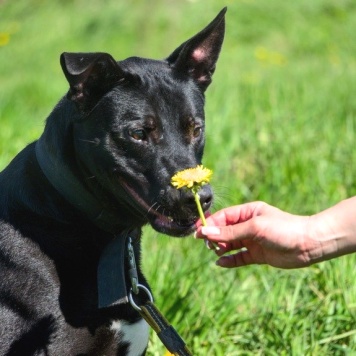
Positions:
{"x": 112, "y": 287}
{"x": 62, "y": 178}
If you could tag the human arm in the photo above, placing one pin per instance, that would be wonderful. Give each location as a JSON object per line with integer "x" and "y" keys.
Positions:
{"x": 263, "y": 234}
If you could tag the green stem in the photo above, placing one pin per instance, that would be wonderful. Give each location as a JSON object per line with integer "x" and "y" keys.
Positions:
{"x": 200, "y": 210}
{"x": 202, "y": 216}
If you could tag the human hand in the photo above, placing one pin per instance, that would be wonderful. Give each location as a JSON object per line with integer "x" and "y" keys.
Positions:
{"x": 261, "y": 234}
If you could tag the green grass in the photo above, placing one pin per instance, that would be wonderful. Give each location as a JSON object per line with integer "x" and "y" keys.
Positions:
{"x": 281, "y": 127}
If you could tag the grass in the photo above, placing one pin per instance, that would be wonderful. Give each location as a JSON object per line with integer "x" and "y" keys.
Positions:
{"x": 281, "y": 127}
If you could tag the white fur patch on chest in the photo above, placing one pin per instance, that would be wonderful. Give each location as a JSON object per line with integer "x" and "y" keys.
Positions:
{"x": 136, "y": 335}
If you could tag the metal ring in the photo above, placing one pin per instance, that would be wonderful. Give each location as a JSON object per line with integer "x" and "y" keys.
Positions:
{"x": 132, "y": 302}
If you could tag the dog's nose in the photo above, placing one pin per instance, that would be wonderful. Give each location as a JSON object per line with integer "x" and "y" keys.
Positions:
{"x": 205, "y": 196}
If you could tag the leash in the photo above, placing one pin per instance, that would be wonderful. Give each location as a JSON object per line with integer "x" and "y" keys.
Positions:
{"x": 164, "y": 330}
{"x": 112, "y": 290}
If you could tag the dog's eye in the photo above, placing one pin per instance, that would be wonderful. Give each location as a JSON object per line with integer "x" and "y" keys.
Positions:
{"x": 138, "y": 134}
{"x": 197, "y": 131}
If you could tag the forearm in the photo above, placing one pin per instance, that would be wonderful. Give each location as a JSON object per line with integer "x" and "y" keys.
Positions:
{"x": 332, "y": 232}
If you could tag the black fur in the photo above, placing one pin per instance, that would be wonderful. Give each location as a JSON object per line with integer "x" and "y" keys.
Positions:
{"x": 110, "y": 148}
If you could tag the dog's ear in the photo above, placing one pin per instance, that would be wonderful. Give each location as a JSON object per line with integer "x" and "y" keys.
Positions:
{"x": 198, "y": 55}
{"x": 90, "y": 76}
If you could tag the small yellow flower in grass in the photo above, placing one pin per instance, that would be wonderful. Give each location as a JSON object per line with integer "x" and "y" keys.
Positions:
{"x": 194, "y": 179}
{"x": 4, "y": 38}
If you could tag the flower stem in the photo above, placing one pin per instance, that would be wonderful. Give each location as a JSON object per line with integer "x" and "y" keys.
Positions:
{"x": 213, "y": 246}
{"x": 200, "y": 210}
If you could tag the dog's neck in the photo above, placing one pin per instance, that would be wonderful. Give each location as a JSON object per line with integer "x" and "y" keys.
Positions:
{"x": 62, "y": 178}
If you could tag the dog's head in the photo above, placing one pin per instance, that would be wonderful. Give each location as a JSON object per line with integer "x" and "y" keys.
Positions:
{"x": 139, "y": 122}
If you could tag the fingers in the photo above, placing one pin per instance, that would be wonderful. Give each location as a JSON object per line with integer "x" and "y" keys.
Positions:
{"x": 235, "y": 214}
{"x": 230, "y": 223}
{"x": 231, "y": 233}
{"x": 239, "y": 259}
{"x": 235, "y": 228}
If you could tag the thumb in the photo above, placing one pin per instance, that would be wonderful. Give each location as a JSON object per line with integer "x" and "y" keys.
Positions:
{"x": 228, "y": 233}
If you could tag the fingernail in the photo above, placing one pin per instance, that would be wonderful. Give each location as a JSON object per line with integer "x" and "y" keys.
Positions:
{"x": 208, "y": 245}
{"x": 210, "y": 230}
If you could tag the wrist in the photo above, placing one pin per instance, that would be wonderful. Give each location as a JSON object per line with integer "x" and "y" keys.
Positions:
{"x": 320, "y": 240}
{"x": 332, "y": 232}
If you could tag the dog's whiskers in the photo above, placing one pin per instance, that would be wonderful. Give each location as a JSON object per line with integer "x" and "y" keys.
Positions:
{"x": 156, "y": 207}
{"x": 96, "y": 141}
{"x": 152, "y": 207}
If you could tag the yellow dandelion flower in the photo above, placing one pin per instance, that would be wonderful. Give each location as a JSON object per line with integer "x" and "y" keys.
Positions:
{"x": 192, "y": 178}
{"x": 270, "y": 57}
{"x": 4, "y": 38}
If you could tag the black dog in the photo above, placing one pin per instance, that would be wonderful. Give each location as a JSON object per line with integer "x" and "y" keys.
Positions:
{"x": 99, "y": 172}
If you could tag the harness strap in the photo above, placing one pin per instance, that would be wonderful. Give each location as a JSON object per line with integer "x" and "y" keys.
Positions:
{"x": 166, "y": 332}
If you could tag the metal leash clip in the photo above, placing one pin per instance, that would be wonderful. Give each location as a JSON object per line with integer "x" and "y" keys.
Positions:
{"x": 164, "y": 330}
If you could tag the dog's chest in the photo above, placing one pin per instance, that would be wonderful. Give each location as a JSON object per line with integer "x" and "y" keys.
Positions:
{"x": 133, "y": 336}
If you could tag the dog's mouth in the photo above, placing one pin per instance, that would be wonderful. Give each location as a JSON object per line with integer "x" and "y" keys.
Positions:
{"x": 171, "y": 226}
{"x": 165, "y": 222}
